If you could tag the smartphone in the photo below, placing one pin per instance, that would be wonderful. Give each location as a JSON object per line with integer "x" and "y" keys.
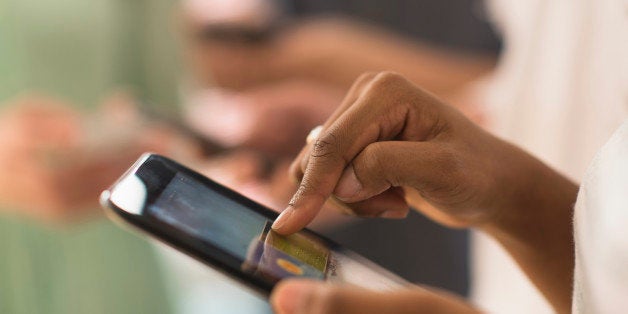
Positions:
{"x": 229, "y": 232}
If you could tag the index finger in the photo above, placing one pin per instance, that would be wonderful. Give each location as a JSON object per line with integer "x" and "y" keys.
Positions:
{"x": 369, "y": 119}
{"x": 298, "y": 167}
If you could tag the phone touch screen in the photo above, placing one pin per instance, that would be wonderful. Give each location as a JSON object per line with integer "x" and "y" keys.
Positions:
{"x": 245, "y": 234}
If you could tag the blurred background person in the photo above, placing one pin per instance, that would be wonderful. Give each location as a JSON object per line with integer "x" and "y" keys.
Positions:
{"x": 58, "y": 61}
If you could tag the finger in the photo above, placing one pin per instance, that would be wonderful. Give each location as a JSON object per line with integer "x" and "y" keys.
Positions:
{"x": 353, "y": 94}
{"x": 430, "y": 210}
{"x": 312, "y": 297}
{"x": 389, "y": 204}
{"x": 370, "y": 119}
{"x": 422, "y": 165}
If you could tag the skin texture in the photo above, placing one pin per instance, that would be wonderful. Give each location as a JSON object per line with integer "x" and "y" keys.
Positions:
{"x": 391, "y": 145}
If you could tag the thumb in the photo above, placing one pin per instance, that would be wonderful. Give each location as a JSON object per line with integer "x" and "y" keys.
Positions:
{"x": 383, "y": 165}
{"x": 307, "y": 296}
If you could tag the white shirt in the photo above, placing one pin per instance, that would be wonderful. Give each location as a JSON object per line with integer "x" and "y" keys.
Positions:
{"x": 560, "y": 90}
{"x": 601, "y": 231}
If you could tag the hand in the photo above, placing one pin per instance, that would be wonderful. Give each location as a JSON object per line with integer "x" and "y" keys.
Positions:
{"x": 30, "y": 131}
{"x": 391, "y": 143}
{"x": 55, "y": 161}
{"x": 306, "y": 296}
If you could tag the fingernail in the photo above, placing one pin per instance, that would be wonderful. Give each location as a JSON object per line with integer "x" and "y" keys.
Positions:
{"x": 348, "y": 185}
{"x": 394, "y": 214}
{"x": 283, "y": 217}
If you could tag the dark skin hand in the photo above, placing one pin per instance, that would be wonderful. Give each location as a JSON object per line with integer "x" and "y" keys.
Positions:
{"x": 391, "y": 145}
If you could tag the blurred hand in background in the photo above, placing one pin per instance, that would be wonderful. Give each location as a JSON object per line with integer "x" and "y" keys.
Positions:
{"x": 272, "y": 119}
{"x": 55, "y": 160}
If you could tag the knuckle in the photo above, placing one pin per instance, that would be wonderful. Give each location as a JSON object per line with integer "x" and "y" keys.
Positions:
{"x": 366, "y": 77}
{"x": 325, "y": 147}
{"x": 362, "y": 83}
{"x": 390, "y": 87}
{"x": 387, "y": 79}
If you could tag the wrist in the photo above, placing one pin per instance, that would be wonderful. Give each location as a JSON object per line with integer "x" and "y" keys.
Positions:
{"x": 535, "y": 227}
{"x": 530, "y": 193}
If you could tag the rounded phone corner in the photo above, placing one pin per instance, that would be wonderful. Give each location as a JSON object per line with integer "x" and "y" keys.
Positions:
{"x": 103, "y": 200}
{"x": 127, "y": 195}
